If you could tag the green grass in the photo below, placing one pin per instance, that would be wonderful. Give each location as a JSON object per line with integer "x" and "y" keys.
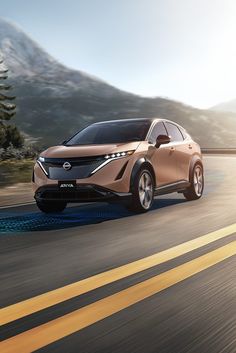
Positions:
{"x": 14, "y": 171}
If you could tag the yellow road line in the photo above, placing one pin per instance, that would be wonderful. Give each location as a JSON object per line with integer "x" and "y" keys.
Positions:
{"x": 43, "y": 301}
{"x": 54, "y": 330}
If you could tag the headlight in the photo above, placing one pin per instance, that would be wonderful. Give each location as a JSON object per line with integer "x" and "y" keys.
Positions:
{"x": 111, "y": 157}
{"x": 41, "y": 159}
{"x": 119, "y": 154}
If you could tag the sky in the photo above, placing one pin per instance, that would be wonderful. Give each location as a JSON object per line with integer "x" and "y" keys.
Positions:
{"x": 181, "y": 49}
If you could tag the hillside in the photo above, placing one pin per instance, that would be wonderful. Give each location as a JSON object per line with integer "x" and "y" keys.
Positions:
{"x": 229, "y": 106}
{"x": 54, "y": 101}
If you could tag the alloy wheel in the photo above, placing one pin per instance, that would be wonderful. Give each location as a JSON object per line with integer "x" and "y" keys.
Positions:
{"x": 198, "y": 180}
{"x": 145, "y": 190}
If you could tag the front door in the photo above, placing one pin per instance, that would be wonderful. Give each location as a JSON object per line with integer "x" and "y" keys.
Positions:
{"x": 162, "y": 158}
{"x": 182, "y": 151}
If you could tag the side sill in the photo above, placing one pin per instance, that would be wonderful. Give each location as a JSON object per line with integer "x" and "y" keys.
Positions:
{"x": 179, "y": 186}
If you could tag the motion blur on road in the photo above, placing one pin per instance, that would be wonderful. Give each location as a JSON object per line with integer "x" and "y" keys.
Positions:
{"x": 72, "y": 282}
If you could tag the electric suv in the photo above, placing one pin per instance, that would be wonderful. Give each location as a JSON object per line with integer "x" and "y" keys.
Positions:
{"x": 129, "y": 160}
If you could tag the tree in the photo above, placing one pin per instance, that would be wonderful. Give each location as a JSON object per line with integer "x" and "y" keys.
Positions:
{"x": 9, "y": 134}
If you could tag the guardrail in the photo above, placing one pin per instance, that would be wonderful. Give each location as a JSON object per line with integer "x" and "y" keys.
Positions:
{"x": 218, "y": 150}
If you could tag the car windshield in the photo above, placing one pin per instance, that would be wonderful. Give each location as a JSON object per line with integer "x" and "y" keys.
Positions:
{"x": 111, "y": 132}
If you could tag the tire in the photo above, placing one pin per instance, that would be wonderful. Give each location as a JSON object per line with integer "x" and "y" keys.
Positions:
{"x": 195, "y": 191}
{"x": 51, "y": 206}
{"x": 143, "y": 192}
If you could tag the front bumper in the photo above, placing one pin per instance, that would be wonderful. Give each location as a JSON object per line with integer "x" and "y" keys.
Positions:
{"x": 82, "y": 193}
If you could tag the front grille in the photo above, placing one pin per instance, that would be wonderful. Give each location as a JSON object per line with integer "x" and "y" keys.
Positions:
{"x": 80, "y": 167}
{"x": 85, "y": 193}
{"x": 70, "y": 195}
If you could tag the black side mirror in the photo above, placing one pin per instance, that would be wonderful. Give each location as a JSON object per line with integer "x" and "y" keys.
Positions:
{"x": 162, "y": 140}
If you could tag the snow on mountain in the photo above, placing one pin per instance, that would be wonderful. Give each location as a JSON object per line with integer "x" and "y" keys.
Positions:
{"x": 25, "y": 58}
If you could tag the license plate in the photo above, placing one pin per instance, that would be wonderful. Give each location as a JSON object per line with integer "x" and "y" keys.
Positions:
{"x": 67, "y": 185}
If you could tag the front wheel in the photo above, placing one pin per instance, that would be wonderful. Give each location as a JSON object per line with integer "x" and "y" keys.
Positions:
{"x": 143, "y": 192}
{"x": 51, "y": 206}
{"x": 195, "y": 190}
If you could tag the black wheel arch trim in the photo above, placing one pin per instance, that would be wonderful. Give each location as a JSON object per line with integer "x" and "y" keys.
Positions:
{"x": 195, "y": 160}
{"x": 140, "y": 163}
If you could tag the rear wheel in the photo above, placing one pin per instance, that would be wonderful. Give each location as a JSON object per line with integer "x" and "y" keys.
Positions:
{"x": 143, "y": 192}
{"x": 51, "y": 206}
{"x": 195, "y": 190}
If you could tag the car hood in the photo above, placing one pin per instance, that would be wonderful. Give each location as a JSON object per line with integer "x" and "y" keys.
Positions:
{"x": 88, "y": 150}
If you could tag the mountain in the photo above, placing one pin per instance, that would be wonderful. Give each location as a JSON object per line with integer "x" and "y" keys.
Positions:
{"x": 229, "y": 106}
{"x": 54, "y": 101}
{"x": 26, "y": 60}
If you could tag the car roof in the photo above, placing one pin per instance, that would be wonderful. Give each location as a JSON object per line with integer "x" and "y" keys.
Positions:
{"x": 151, "y": 120}
{"x": 131, "y": 120}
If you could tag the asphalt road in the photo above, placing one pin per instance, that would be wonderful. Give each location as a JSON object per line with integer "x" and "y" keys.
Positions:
{"x": 181, "y": 299}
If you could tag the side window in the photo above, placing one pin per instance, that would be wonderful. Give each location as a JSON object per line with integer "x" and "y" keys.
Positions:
{"x": 184, "y": 133}
{"x": 174, "y": 132}
{"x": 158, "y": 129}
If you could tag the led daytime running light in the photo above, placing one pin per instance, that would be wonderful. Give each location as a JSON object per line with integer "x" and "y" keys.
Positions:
{"x": 119, "y": 154}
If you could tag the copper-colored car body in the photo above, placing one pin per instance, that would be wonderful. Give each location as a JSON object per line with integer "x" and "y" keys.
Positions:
{"x": 153, "y": 156}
